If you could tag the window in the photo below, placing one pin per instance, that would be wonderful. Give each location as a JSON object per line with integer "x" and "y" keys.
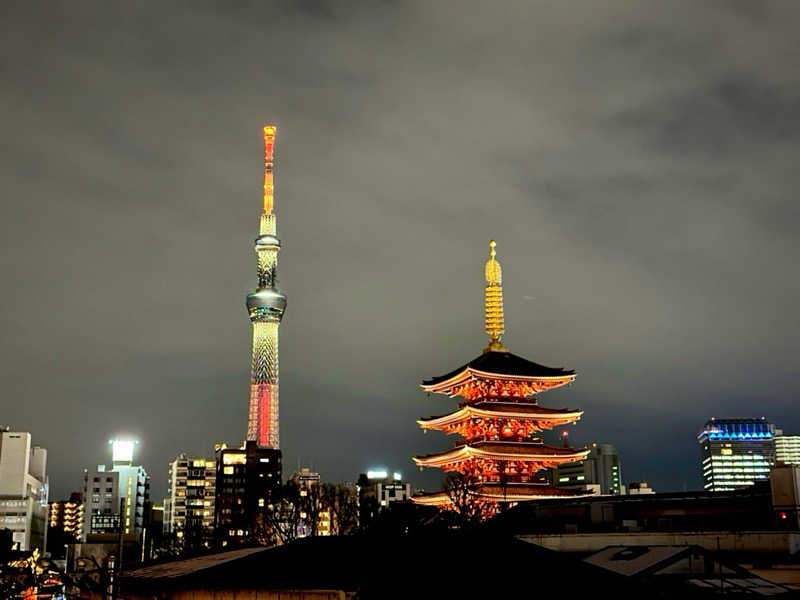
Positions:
{"x": 227, "y": 470}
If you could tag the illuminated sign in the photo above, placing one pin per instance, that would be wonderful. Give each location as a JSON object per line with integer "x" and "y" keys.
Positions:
{"x": 377, "y": 474}
{"x": 122, "y": 450}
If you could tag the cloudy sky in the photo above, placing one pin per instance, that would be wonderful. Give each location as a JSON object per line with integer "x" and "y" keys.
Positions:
{"x": 637, "y": 163}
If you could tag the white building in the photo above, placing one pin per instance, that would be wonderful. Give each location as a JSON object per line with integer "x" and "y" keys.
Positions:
{"x": 189, "y": 504}
{"x": 125, "y": 486}
{"x": 23, "y": 490}
{"x": 787, "y": 448}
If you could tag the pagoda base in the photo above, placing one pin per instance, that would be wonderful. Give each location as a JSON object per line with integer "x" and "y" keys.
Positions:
{"x": 501, "y": 494}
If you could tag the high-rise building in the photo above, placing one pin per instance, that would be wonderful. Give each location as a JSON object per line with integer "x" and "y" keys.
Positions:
{"x": 265, "y": 307}
{"x": 23, "y": 490}
{"x": 189, "y": 505}
{"x": 115, "y": 498}
{"x": 736, "y": 452}
{"x": 66, "y": 516}
{"x": 787, "y": 448}
{"x": 599, "y": 472}
{"x": 246, "y": 481}
{"x": 501, "y": 457}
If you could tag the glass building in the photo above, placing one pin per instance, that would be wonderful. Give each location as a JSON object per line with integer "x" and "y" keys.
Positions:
{"x": 736, "y": 452}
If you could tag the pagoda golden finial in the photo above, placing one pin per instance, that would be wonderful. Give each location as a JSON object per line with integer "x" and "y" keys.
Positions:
{"x": 495, "y": 321}
{"x": 269, "y": 142}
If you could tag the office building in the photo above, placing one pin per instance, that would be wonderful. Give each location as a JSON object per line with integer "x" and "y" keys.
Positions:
{"x": 787, "y": 448}
{"x": 598, "y": 473}
{"x": 23, "y": 490}
{"x": 189, "y": 504}
{"x": 736, "y": 452}
{"x": 246, "y": 481}
{"x": 115, "y": 498}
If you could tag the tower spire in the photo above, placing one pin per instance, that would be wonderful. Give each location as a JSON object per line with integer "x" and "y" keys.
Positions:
{"x": 269, "y": 142}
{"x": 494, "y": 319}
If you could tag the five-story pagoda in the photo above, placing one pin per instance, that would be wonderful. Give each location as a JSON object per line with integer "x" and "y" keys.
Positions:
{"x": 499, "y": 455}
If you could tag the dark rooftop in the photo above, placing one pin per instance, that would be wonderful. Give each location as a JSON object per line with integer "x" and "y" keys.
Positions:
{"x": 504, "y": 363}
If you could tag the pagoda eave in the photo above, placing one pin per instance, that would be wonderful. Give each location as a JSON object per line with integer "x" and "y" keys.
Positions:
{"x": 546, "y": 418}
{"x": 500, "y": 451}
{"x": 531, "y": 384}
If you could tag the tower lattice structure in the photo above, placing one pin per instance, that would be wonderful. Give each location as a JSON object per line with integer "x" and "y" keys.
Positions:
{"x": 265, "y": 307}
{"x": 498, "y": 418}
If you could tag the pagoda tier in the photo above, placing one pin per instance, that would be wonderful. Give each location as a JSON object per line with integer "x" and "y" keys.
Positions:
{"x": 500, "y": 375}
{"x": 500, "y": 419}
{"x": 491, "y": 460}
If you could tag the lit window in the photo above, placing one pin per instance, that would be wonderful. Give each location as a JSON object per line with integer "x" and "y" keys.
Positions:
{"x": 261, "y": 502}
{"x": 227, "y": 470}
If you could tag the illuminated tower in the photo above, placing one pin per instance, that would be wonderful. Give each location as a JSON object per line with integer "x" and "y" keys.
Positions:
{"x": 265, "y": 307}
{"x": 498, "y": 417}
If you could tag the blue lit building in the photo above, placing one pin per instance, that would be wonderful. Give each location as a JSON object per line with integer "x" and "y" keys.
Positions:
{"x": 736, "y": 452}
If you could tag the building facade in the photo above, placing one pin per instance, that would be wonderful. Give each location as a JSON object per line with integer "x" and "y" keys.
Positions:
{"x": 736, "y": 452}
{"x": 23, "y": 490}
{"x": 247, "y": 478}
{"x": 599, "y": 473}
{"x": 787, "y": 448}
{"x": 115, "y": 498}
{"x": 66, "y": 516}
{"x": 189, "y": 504}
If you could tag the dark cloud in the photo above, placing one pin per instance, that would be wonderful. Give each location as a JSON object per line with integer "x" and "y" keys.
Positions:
{"x": 636, "y": 164}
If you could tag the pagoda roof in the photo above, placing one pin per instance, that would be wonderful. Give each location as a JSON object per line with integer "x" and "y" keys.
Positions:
{"x": 497, "y": 450}
{"x": 503, "y": 364}
{"x": 518, "y": 410}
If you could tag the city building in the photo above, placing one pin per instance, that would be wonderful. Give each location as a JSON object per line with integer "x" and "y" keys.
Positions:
{"x": 23, "y": 490}
{"x": 247, "y": 478}
{"x": 787, "y": 448}
{"x": 265, "y": 307}
{"x": 598, "y": 473}
{"x": 639, "y": 487}
{"x": 64, "y": 522}
{"x": 115, "y": 498}
{"x": 736, "y": 452}
{"x": 189, "y": 504}
{"x": 500, "y": 457}
{"x": 384, "y": 486}
{"x": 309, "y": 484}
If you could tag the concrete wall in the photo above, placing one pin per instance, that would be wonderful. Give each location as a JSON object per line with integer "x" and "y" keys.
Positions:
{"x": 748, "y": 541}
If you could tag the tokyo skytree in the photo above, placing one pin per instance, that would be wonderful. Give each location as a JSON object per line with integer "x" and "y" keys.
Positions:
{"x": 265, "y": 307}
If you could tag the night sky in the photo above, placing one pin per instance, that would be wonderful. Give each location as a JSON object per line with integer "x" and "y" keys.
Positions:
{"x": 636, "y": 162}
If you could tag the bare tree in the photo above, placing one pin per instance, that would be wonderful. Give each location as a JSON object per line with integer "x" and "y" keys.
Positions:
{"x": 466, "y": 504}
{"x": 341, "y": 502}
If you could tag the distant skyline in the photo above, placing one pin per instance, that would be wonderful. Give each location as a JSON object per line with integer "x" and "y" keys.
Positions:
{"x": 635, "y": 163}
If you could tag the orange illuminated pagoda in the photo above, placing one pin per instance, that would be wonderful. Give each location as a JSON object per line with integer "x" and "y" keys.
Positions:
{"x": 498, "y": 417}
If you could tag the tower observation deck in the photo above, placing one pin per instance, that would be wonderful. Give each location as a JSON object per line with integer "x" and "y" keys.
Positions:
{"x": 265, "y": 307}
